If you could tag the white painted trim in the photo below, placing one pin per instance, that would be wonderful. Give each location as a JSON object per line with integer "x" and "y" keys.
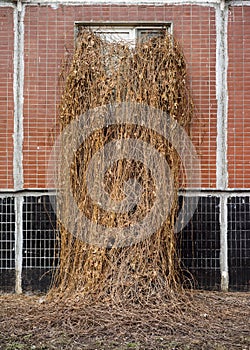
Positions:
{"x": 34, "y": 193}
{"x": 221, "y": 151}
{"x": 239, "y": 3}
{"x": 7, "y": 4}
{"x": 186, "y": 193}
{"x": 55, "y": 3}
{"x": 123, "y": 2}
{"x": 223, "y": 245}
{"x": 18, "y": 83}
{"x": 222, "y": 96}
{"x": 214, "y": 193}
{"x": 18, "y": 243}
{"x": 203, "y": 190}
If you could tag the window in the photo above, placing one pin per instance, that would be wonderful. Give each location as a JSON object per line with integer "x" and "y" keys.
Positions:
{"x": 129, "y": 32}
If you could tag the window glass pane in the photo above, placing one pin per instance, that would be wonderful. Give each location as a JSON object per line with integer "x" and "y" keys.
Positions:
{"x": 115, "y": 36}
{"x": 147, "y": 33}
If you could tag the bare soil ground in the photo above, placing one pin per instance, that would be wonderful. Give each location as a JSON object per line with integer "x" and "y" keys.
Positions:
{"x": 210, "y": 320}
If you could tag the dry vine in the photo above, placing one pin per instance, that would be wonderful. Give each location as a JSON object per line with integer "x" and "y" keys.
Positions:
{"x": 100, "y": 73}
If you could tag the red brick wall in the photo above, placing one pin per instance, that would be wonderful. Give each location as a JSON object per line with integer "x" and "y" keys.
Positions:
{"x": 239, "y": 97}
{"x": 49, "y": 31}
{"x": 6, "y": 97}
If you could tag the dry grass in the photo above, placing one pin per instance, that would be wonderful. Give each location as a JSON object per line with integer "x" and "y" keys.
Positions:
{"x": 210, "y": 320}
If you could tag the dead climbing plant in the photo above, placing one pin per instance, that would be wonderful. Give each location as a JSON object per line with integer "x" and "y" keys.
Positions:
{"x": 98, "y": 76}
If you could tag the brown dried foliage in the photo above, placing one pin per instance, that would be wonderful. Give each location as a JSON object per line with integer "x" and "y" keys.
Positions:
{"x": 101, "y": 73}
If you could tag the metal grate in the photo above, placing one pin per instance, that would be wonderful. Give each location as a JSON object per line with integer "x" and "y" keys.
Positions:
{"x": 239, "y": 243}
{"x": 40, "y": 243}
{"x": 39, "y": 233}
{"x": 200, "y": 243}
{"x": 7, "y": 231}
{"x": 7, "y": 244}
